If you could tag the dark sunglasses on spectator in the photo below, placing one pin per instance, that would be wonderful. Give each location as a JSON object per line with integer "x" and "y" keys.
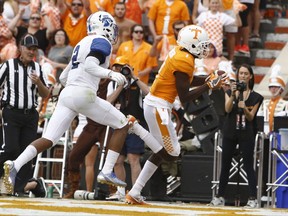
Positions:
{"x": 141, "y": 32}
{"x": 77, "y": 4}
{"x": 35, "y": 18}
{"x": 177, "y": 29}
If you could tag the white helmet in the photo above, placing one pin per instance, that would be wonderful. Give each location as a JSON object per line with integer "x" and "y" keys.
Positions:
{"x": 102, "y": 23}
{"x": 195, "y": 39}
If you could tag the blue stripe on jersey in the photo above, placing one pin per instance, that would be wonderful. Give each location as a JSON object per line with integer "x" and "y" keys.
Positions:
{"x": 101, "y": 45}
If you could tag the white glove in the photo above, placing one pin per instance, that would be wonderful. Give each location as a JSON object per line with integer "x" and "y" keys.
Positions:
{"x": 119, "y": 78}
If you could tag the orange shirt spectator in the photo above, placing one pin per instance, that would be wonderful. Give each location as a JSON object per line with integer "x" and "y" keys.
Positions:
{"x": 163, "y": 44}
{"x": 163, "y": 13}
{"x": 137, "y": 51}
{"x": 74, "y": 19}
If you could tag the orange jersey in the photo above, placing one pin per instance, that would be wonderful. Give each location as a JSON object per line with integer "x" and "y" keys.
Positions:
{"x": 140, "y": 59}
{"x": 164, "y": 16}
{"x": 75, "y": 29}
{"x": 164, "y": 86}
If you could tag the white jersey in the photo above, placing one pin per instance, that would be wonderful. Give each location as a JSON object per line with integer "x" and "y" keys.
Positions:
{"x": 77, "y": 75}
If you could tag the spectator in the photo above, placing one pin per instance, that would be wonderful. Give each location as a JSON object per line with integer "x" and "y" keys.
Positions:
{"x": 199, "y": 6}
{"x": 232, "y": 9}
{"x": 74, "y": 19}
{"x": 137, "y": 51}
{"x": 164, "y": 13}
{"x": 241, "y": 106}
{"x": 19, "y": 101}
{"x": 24, "y": 5}
{"x": 124, "y": 24}
{"x": 8, "y": 47}
{"x": 60, "y": 52}
{"x": 129, "y": 101}
{"x": 163, "y": 44}
{"x": 213, "y": 22}
{"x": 242, "y": 37}
{"x": 213, "y": 59}
{"x": 275, "y": 106}
{"x": 34, "y": 24}
{"x": 11, "y": 8}
{"x": 255, "y": 22}
{"x": 52, "y": 11}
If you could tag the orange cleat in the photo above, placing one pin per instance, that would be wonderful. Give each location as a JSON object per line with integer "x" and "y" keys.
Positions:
{"x": 135, "y": 201}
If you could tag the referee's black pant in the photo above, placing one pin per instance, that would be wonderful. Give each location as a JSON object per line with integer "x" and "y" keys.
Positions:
{"x": 19, "y": 130}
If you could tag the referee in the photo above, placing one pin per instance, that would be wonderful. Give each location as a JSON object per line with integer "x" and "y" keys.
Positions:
{"x": 22, "y": 80}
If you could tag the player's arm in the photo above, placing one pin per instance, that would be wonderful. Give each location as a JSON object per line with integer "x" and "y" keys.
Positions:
{"x": 99, "y": 50}
{"x": 212, "y": 82}
{"x": 198, "y": 80}
{"x": 183, "y": 86}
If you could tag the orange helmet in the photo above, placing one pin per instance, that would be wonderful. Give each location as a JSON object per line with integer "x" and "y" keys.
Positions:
{"x": 121, "y": 60}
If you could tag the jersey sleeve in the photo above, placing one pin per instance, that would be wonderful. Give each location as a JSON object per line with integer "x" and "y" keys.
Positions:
{"x": 102, "y": 46}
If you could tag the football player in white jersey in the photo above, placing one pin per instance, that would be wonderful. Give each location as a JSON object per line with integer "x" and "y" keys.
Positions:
{"x": 89, "y": 63}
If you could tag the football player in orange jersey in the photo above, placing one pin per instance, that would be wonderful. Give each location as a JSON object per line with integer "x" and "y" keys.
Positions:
{"x": 174, "y": 78}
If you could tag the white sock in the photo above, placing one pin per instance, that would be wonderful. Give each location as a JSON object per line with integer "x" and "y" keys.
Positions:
{"x": 110, "y": 161}
{"x": 147, "y": 137}
{"x": 146, "y": 173}
{"x": 28, "y": 154}
{"x": 121, "y": 190}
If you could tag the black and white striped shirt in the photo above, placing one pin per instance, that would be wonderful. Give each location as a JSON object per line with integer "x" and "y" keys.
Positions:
{"x": 18, "y": 89}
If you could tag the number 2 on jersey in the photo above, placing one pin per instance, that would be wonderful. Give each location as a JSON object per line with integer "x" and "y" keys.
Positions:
{"x": 74, "y": 57}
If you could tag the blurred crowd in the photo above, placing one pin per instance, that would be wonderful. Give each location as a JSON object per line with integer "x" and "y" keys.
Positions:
{"x": 60, "y": 24}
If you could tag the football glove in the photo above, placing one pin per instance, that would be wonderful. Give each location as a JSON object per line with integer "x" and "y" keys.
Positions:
{"x": 119, "y": 78}
{"x": 215, "y": 83}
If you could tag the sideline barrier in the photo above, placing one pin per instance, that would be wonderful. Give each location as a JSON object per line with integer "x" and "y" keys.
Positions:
{"x": 278, "y": 170}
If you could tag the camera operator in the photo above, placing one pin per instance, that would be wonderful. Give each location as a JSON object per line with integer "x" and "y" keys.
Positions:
{"x": 128, "y": 99}
{"x": 241, "y": 106}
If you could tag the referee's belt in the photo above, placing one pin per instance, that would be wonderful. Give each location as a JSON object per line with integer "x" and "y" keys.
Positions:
{"x": 24, "y": 111}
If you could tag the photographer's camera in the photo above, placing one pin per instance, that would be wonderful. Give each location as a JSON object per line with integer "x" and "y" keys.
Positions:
{"x": 241, "y": 86}
{"x": 83, "y": 195}
{"x": 126, "y": 70}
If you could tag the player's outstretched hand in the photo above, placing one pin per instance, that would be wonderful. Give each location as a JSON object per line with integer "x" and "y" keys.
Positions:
{"x": 214, "y": 82}
{"x": 119, "y": 78}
